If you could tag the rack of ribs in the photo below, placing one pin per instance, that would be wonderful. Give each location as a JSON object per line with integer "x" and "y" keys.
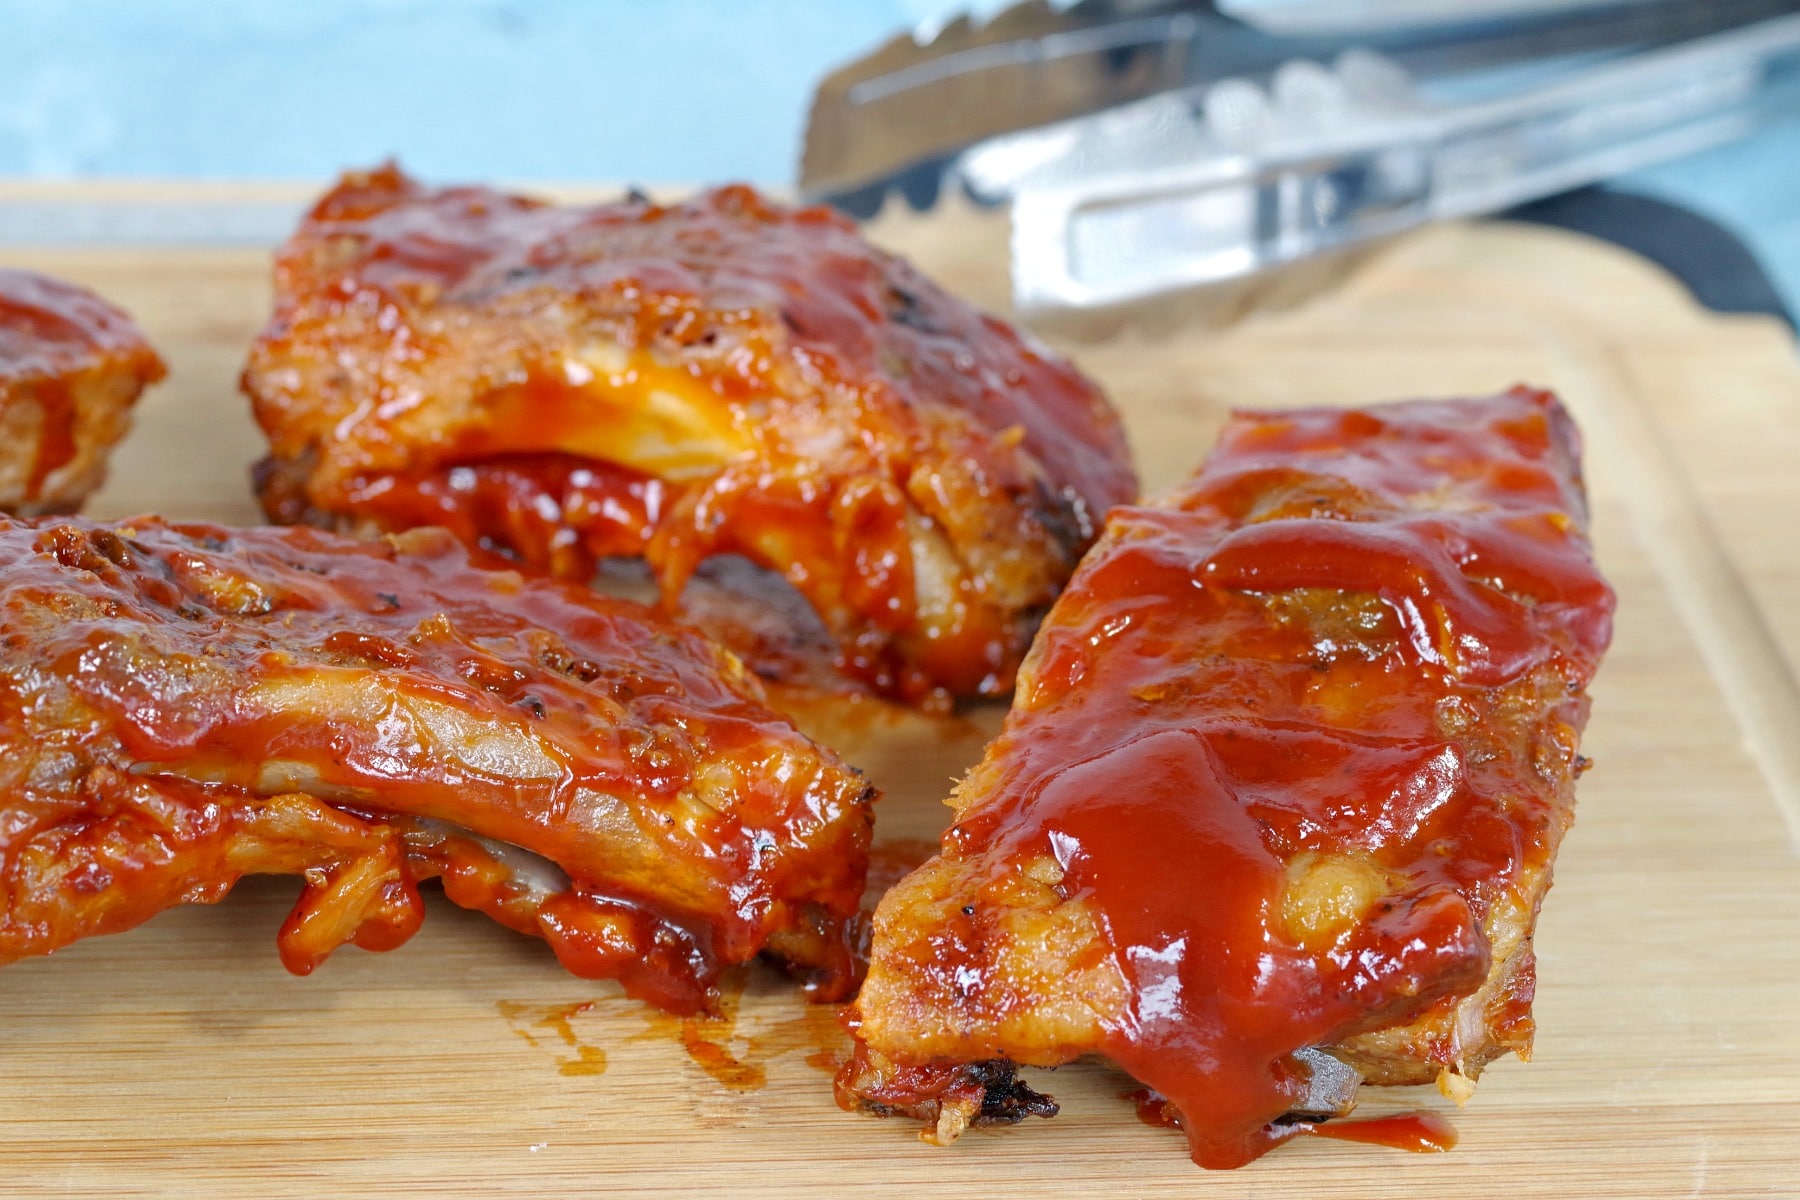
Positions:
{"x": 1276, "y": 803}
{"x": 722, "y": 378}
{"x": 71, "y": 367}
{"x": 182, "y": 705}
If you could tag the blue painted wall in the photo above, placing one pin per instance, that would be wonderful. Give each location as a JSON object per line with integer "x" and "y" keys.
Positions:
{"x": 550, "y": 89}
{"x": 655, "y": 91}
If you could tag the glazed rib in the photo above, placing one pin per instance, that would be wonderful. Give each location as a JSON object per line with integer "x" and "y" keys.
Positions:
{"x": 181, "y": 705}
{"x": 720, "y": 377}
{"x": 71, "y": 367}
{"x": 1277, "y": 800}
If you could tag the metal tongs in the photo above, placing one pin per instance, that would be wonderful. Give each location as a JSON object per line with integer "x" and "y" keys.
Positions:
{"x": 1153, "y": 146}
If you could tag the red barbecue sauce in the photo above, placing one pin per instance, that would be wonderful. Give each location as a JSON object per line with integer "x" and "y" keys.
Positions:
{"x": 1337, "y": 637}
{"x": 50, "y": 332}
{"x": 627, "y": 710}
{"x": 553, "y": 513}
{"x": 860, "y": 395}
{"x": 852, "y": 315}
{"x": 1420, "y": 1132}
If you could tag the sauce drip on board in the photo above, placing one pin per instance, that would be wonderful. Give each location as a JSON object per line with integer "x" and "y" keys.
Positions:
{"x": 1420, "y": 1132}
{"x": 1301, "y": 734}
{"x": 558, "y": 1019}
{"x": 712, "y": 1040}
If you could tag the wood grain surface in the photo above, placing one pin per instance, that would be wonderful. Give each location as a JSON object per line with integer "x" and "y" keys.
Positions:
{"x": 181, "y": 1060}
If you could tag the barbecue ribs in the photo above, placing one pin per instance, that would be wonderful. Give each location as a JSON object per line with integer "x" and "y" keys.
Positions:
{"x": 721, "y": 377}
{"x": 71, "y": 367}
{"x": 181, "y": 705}
{"x": 1276, "y": 803}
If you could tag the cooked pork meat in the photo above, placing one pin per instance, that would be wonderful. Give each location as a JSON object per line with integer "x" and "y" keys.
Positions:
{"x": 71, "y": 367}
{"x": 181, "y": 705}
{"x": 720, "y": 377}
{"x": 1276, "y": 803}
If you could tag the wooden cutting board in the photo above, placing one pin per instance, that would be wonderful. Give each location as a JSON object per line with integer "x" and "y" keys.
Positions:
{"x": 179, "y": 1059}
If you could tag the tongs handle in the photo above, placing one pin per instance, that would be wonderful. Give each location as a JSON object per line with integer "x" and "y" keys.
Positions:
{"x": 1334, "y": 157}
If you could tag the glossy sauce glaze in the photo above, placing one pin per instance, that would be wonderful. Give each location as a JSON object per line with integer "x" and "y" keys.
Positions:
{"x": 554, "y": 513}
{"x": 799, "y": 397}
{"x": 723, "y": 261}
{"x": 56, "y": 337}
{"x": 49, "y": 328}
{"x": 1355, "y": 638}
{"x": 1419, "y": 1132}
{"x": 670, "y": 821}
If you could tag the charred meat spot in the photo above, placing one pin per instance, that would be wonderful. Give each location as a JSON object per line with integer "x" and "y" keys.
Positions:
{"x": 1063, "y": 515}
{"x": 905, "y": 308}
{"x": 558, "y": 659}
{"x": 1005, "y": 1098}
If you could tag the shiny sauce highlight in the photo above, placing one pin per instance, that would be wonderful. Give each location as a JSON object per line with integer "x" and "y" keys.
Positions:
{"x": 51, "y": 333}
{"x": 1355, "y": 634}
{"x": 312, "y": 663}
{"x": 785, "y": 391}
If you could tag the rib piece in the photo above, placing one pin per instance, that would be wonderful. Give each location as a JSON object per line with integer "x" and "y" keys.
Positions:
{"x": 1277, "y": 800}
{"x": 71, "y": 367}
{"x": 720, "y": 377}
{"x": 181, "y": 705}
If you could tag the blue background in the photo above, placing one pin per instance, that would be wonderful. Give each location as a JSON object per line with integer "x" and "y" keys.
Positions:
{"x": 659, "y": 92}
